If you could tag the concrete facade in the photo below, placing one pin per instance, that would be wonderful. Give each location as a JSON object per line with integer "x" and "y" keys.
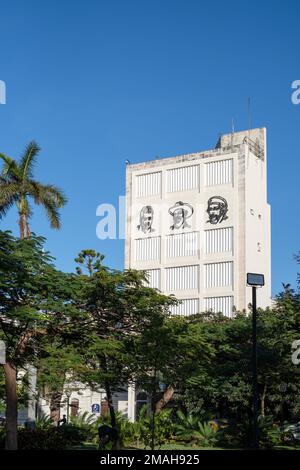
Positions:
{"x": 82, "y": 399}
{"x": 197, "y": 223}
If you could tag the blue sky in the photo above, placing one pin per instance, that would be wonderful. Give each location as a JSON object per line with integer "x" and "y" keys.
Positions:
{"x": 97, "y": 82}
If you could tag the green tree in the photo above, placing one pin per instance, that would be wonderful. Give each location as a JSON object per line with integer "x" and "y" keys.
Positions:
{"x": 58, "y": 364}
{"x": 17, "y": 185}
{"x": 89, "y": 261}
{"x": 224, "y": 385}
{"x": 35, "y": 306}
{"x": 119, "y": 306}
{"x": 167, "y": 353}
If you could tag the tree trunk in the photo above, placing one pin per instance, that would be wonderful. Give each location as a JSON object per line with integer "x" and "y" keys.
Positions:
{"x": 24, "y": 226}
{"x": 110, "y": 405}
{"x": 262, "y": 400}
{"x": 11, "y": 414}
{"x": 164, "y": 400}
{"x": 55, "y": 401}
{"x": 117, "y": 443}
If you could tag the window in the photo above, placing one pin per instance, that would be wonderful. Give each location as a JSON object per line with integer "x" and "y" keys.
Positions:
{"x": 219, "y": 240}
{"x": 141, "y": 401}
{"x": 186, "y": 307}
{"x": 153, "y": 276}
{"x": 74, "y": 407}
{"x": 147, "y": 249}
{"x": 148, "y": 184}
{"x": 183, "y": 178}
{"x": 182, "y": 278}
{"x": 219, "y": 274}
{"x": 220, "y": 172}
{"x": 222, "y": 305}
{"x": 182, "y": 244}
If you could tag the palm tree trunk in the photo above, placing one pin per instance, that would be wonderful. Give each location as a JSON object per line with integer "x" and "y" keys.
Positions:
{"x": 24, "y": 226}
{"x": 11, "y": 414}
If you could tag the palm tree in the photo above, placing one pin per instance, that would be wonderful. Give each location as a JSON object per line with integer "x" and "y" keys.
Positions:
{"x": 17, "y": 186}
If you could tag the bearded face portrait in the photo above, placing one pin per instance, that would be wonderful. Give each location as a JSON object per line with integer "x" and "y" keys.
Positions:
{"x": 217, "y": 209}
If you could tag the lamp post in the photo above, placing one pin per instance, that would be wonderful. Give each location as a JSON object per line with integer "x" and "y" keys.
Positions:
{"x": 68, "y": 394}
{"x": 254, "y": 280}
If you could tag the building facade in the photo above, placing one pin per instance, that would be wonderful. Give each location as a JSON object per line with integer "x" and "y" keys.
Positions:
{"x": 197, "y": 223}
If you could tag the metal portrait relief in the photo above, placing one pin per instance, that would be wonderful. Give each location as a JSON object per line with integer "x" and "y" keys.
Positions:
{"x": 181, "y": 211}
{"x": 146, "y": 219}
{"x": 217, "y": 209}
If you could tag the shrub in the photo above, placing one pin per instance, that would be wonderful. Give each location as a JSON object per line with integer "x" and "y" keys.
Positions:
{"x": 2, "y": 437}
{"x": 49, "y": 439}
{"x": 241, "y": 434}
{"x": 44, "y": 422}
{"x": 191, "y": 428}
{"x": 163, "y": 427}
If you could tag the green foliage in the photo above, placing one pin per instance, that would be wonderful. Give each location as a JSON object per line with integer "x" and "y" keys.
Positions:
{"x": 51, "y": 438}
{"x": 119, "y": 308}
{"x": 156, "y": 429}
{"x": 107, "y": 328}
{"x": 88, "y": 260}
{"x": 193, "y": 428}
{"x": 44, "y": 422}
{"x": 36, "y": 301}
{"x": 240, "y": 434}
{"x": 83, "y": 419}
{"x": 46, "y": 437}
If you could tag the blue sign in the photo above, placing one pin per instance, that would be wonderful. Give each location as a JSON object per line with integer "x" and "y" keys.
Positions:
{"x": 96, "y": 408}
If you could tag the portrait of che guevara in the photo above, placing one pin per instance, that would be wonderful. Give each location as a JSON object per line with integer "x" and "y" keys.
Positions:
{"x": 217, "y": 209}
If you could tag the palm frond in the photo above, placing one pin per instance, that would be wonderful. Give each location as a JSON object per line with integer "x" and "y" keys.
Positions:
{"x": 53, "y": 215}
{"x": 17, "y": 184}
{"x": 28, "y": 159}
{"x": 9, "y": 195}
{"x": 47, "y": 192}
{"x": 10, "y": 166}
{"x": 50, "y": 197}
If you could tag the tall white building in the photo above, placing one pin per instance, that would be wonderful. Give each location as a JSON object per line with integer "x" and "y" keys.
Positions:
{"x": 197, "y": 223}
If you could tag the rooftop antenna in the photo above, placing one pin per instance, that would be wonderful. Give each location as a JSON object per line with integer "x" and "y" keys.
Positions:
{"x": 249, "y": 117}
{"x": 232, "y": 132}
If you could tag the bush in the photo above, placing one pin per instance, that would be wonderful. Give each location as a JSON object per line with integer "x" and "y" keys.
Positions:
{"x": 44, "y": 422}
{"x": 241, "y": 434}
{"x": 2, "y": 437}
{"x": 163, "y": 427}
{"x": 190, "y": 428}
{"x": 49, "y": 439}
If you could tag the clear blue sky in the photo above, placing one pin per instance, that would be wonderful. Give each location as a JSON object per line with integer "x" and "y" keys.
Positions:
{"x": 96, "y": 82}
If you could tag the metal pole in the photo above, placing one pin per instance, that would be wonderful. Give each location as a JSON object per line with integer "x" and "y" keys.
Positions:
{"x": 254, "y": 370}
